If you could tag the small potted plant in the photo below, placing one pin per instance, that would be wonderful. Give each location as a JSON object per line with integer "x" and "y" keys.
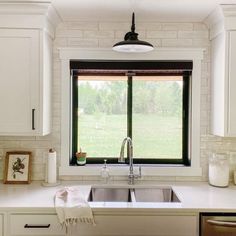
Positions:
{"x": 81, "y": 157}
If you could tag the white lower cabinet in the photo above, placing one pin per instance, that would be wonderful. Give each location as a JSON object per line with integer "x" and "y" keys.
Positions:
{"x": 35, "y": 224}
{"x": 108, "y": 224}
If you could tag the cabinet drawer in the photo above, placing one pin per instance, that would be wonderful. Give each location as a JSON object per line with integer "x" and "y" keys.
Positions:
{"x": 1, "y": 225}
{"x": 27, "y": 224}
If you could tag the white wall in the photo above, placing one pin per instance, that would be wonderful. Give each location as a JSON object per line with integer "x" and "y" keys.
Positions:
{"x": 105, "y": 34}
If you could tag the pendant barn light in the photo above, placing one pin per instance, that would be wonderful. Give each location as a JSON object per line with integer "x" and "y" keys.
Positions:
{"x": 131, "y": 42}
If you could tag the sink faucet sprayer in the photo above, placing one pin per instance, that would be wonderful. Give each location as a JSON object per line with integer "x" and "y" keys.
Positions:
{"x": 131, "y": 175}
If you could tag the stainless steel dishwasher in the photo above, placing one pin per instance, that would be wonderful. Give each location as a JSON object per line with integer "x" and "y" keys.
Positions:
{"x": 218, "y": 224}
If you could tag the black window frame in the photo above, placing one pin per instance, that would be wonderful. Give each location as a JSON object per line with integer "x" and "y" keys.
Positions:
{"x": 91, "y": 67}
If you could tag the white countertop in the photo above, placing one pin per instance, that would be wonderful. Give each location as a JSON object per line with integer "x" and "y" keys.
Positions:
{"x": 194, "y": 197}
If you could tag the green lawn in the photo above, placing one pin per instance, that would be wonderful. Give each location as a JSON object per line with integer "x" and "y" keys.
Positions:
{"x": 154, "y": 136}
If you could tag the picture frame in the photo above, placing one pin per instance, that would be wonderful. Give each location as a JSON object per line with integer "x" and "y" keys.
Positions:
{"x": 17, "y": 167}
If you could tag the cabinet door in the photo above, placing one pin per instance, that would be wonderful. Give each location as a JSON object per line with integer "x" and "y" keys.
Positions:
{"x": 218, "y": 58}
{"x": 232, "y": 85}
{"x": 140, "y": 225}
{"x": 1, "y": 225}
{"x": 19, "y": 81}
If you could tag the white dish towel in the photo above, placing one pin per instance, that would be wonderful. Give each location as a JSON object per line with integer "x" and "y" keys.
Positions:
{"x": 72, "y": 207}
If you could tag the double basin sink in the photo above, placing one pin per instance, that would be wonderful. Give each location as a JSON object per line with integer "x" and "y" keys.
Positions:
{"x": 132, "y": 194}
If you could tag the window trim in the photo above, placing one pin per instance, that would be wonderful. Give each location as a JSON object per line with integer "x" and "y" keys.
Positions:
{"x": 110, "y": 67}
{"x": 193, "y": 54}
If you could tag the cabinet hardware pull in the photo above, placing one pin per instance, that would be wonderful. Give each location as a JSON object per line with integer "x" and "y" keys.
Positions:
{"x": 39, "y": 226}
{"x": 222, "y": 223}
{"x": 33, "y": 111}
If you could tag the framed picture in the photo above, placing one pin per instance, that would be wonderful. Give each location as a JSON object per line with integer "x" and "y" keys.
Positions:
{"x": 17, "y": 167}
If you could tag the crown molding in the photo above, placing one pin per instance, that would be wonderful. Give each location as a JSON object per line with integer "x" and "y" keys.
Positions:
{"x": 29, "y": 14}
{"x": 221, "y": 19}
{"x": 23, "y": 7}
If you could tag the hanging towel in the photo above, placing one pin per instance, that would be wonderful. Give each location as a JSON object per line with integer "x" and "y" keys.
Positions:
{"x": 72, "y": 207}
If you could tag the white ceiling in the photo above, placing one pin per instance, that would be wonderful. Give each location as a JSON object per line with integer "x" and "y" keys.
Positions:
{"x": 145, "y": 10}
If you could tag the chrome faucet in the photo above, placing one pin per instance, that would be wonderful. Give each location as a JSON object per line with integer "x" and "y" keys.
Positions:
{"x": 131, "y": 175}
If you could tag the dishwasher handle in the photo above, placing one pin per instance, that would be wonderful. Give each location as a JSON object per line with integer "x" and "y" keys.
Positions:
{"x": 222, "y": 223}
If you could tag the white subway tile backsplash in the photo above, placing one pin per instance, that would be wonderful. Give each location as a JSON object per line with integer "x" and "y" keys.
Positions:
{"x": 70, "y": 33}
{"x": 200, "y": 26}
{"x": 60, "y": 42}
{"x": 177, "y": 26}
{"x": 114, "y": 26}
{"x": 119, "y": 34}
{"x": 37, "y": 175}
{"x": 83, "y": 25}
{"x": 155, "y": 42}
{"x": 77, "y": 42}
{"x": 177, "y": 42}
{"x": 106, "y": 43}
{"x": 162, "y": 34}
{"x": 148, "y": 26}
{"x": 72, "y": 178}
{"x": 35, "y": 144}
{"x": 200, "y": 42}
{"x": 192, "y": 179}
{"x": 8, "y": 144}
{"x": 98, "y": 34}
{"x": 203, "y": 34}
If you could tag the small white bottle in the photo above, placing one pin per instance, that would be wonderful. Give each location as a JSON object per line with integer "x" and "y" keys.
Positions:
{"x": 105, "y": 176}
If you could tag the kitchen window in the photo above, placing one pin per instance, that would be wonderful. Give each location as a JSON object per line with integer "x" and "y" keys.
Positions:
{"x": 145, "y": 100}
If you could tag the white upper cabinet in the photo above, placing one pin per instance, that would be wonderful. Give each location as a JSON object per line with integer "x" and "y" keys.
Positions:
{"x": 25, "y": 76}
{"x": 19, "y": 82}
{"x": 222, "y": 25}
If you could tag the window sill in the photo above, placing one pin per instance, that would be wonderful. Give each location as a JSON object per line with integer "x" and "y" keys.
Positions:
{"x": 160, "y": 170}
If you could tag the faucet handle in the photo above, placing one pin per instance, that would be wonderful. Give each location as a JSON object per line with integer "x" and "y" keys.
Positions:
{"x": 139, "y": 175}
{"x": 133, "y": 176}
{"x": 140, "y": 172}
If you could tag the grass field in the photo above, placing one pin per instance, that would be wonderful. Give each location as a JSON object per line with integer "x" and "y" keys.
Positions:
{"x": 154, "y": 136}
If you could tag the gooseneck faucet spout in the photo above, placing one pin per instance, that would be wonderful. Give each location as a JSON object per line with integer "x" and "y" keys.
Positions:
{"x": 130, "y": 149}
{"x": 131, "y": 175}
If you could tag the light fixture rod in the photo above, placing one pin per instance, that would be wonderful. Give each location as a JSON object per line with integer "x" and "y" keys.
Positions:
{"x": 133, "y": 23}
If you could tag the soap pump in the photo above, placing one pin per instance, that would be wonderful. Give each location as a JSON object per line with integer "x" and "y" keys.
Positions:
{"x": 105, "y": 173}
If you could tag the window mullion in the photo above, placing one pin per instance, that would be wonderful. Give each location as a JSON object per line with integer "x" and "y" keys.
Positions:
{"x": 129, "y": 107}
{"x": 129, "y": 110}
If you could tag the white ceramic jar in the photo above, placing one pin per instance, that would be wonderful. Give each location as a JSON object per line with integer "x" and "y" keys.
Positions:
{"x": 219, "y": 170}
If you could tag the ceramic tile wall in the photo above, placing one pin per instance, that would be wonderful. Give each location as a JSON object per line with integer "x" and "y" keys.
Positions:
{"x": 105, "y": 34}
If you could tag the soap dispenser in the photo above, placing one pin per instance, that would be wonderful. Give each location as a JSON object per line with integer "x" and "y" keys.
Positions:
{"x": 105, "y": 173}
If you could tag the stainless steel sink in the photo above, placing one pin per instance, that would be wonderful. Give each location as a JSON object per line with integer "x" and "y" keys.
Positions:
{"x": 140, "y": 194}
{"x": 154, "y": 195}
{"x": 100, "y": 194}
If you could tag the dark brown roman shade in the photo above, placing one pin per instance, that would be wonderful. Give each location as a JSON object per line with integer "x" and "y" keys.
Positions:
{"x": 102, "y": 67}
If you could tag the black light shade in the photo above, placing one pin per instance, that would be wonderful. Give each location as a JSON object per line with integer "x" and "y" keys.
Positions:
{"x": 131, "y": 42}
